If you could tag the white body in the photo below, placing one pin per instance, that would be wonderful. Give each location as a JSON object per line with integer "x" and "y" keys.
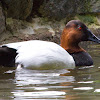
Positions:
{"x": 36, "y": 53}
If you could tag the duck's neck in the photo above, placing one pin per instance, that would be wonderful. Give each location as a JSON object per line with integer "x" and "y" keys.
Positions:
{"x": 70, "y": 46}
{"x": 80, "y": 56}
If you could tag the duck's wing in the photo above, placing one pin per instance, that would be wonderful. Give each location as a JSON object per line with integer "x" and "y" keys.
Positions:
{"x": 38, "y": 53}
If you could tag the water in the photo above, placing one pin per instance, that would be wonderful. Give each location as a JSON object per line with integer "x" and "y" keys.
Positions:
{"x": 76, "y": 84}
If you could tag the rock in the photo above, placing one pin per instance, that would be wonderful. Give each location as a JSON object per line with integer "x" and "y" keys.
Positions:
{"x": 59, "y": 9}
{"x": 18, "y": 9}
{"x": 88, "y": 6}
{"x": 52, "y": 9}
{"x": 2, "y": 20}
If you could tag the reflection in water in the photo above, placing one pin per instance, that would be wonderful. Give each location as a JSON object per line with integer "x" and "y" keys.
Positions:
{"x": 40, "y": 84}
{"x": 81, "y": 83}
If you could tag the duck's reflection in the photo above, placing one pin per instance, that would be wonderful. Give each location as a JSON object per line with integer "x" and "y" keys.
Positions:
{"x": 49, "y": 84}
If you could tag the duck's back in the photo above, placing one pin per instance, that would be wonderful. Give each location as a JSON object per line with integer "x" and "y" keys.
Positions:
{"x": 37, "y": 53}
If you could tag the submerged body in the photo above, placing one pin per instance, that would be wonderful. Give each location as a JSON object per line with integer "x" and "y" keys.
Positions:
{"x": 36, "y": 53}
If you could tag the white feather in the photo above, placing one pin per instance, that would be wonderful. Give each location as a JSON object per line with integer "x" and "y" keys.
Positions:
{"x": 36, "y": 53}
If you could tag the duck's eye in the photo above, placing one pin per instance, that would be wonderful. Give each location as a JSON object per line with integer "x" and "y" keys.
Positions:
{"x": 79, "y": 27}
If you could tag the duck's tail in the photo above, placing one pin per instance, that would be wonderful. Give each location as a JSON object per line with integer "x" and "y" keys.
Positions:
{"x": 7, "y": 56}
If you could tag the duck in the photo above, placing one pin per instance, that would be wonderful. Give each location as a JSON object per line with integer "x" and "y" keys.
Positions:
{"x": 37, "y": 53}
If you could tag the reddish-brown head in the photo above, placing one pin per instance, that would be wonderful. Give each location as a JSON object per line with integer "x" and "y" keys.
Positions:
{"x": 74, "y": 32}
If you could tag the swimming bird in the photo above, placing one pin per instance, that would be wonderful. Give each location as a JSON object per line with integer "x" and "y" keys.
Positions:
{"x": 37, "y": 53}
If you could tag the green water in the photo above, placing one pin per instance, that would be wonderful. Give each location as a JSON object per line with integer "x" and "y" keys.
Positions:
{"x": 78, "y": 84}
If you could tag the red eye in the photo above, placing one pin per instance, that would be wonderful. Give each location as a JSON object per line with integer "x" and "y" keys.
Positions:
{"x": 79, "y": 27}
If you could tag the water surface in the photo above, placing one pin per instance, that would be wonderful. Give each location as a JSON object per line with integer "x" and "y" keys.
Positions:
{"x": 75, "y": 84}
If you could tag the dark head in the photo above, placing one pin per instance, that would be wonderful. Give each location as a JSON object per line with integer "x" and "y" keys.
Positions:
{"x": 74, "y": 32}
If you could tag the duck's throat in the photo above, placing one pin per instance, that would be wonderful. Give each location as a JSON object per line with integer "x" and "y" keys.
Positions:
{"x": 72, "y": 48}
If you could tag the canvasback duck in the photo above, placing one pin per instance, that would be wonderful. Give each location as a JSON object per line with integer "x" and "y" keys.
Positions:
{"x": 36, "y": 53}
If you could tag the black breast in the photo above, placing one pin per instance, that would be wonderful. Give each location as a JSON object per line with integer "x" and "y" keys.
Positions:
{"x": 82, "y": 59}
{"x": 7, "y": 56}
